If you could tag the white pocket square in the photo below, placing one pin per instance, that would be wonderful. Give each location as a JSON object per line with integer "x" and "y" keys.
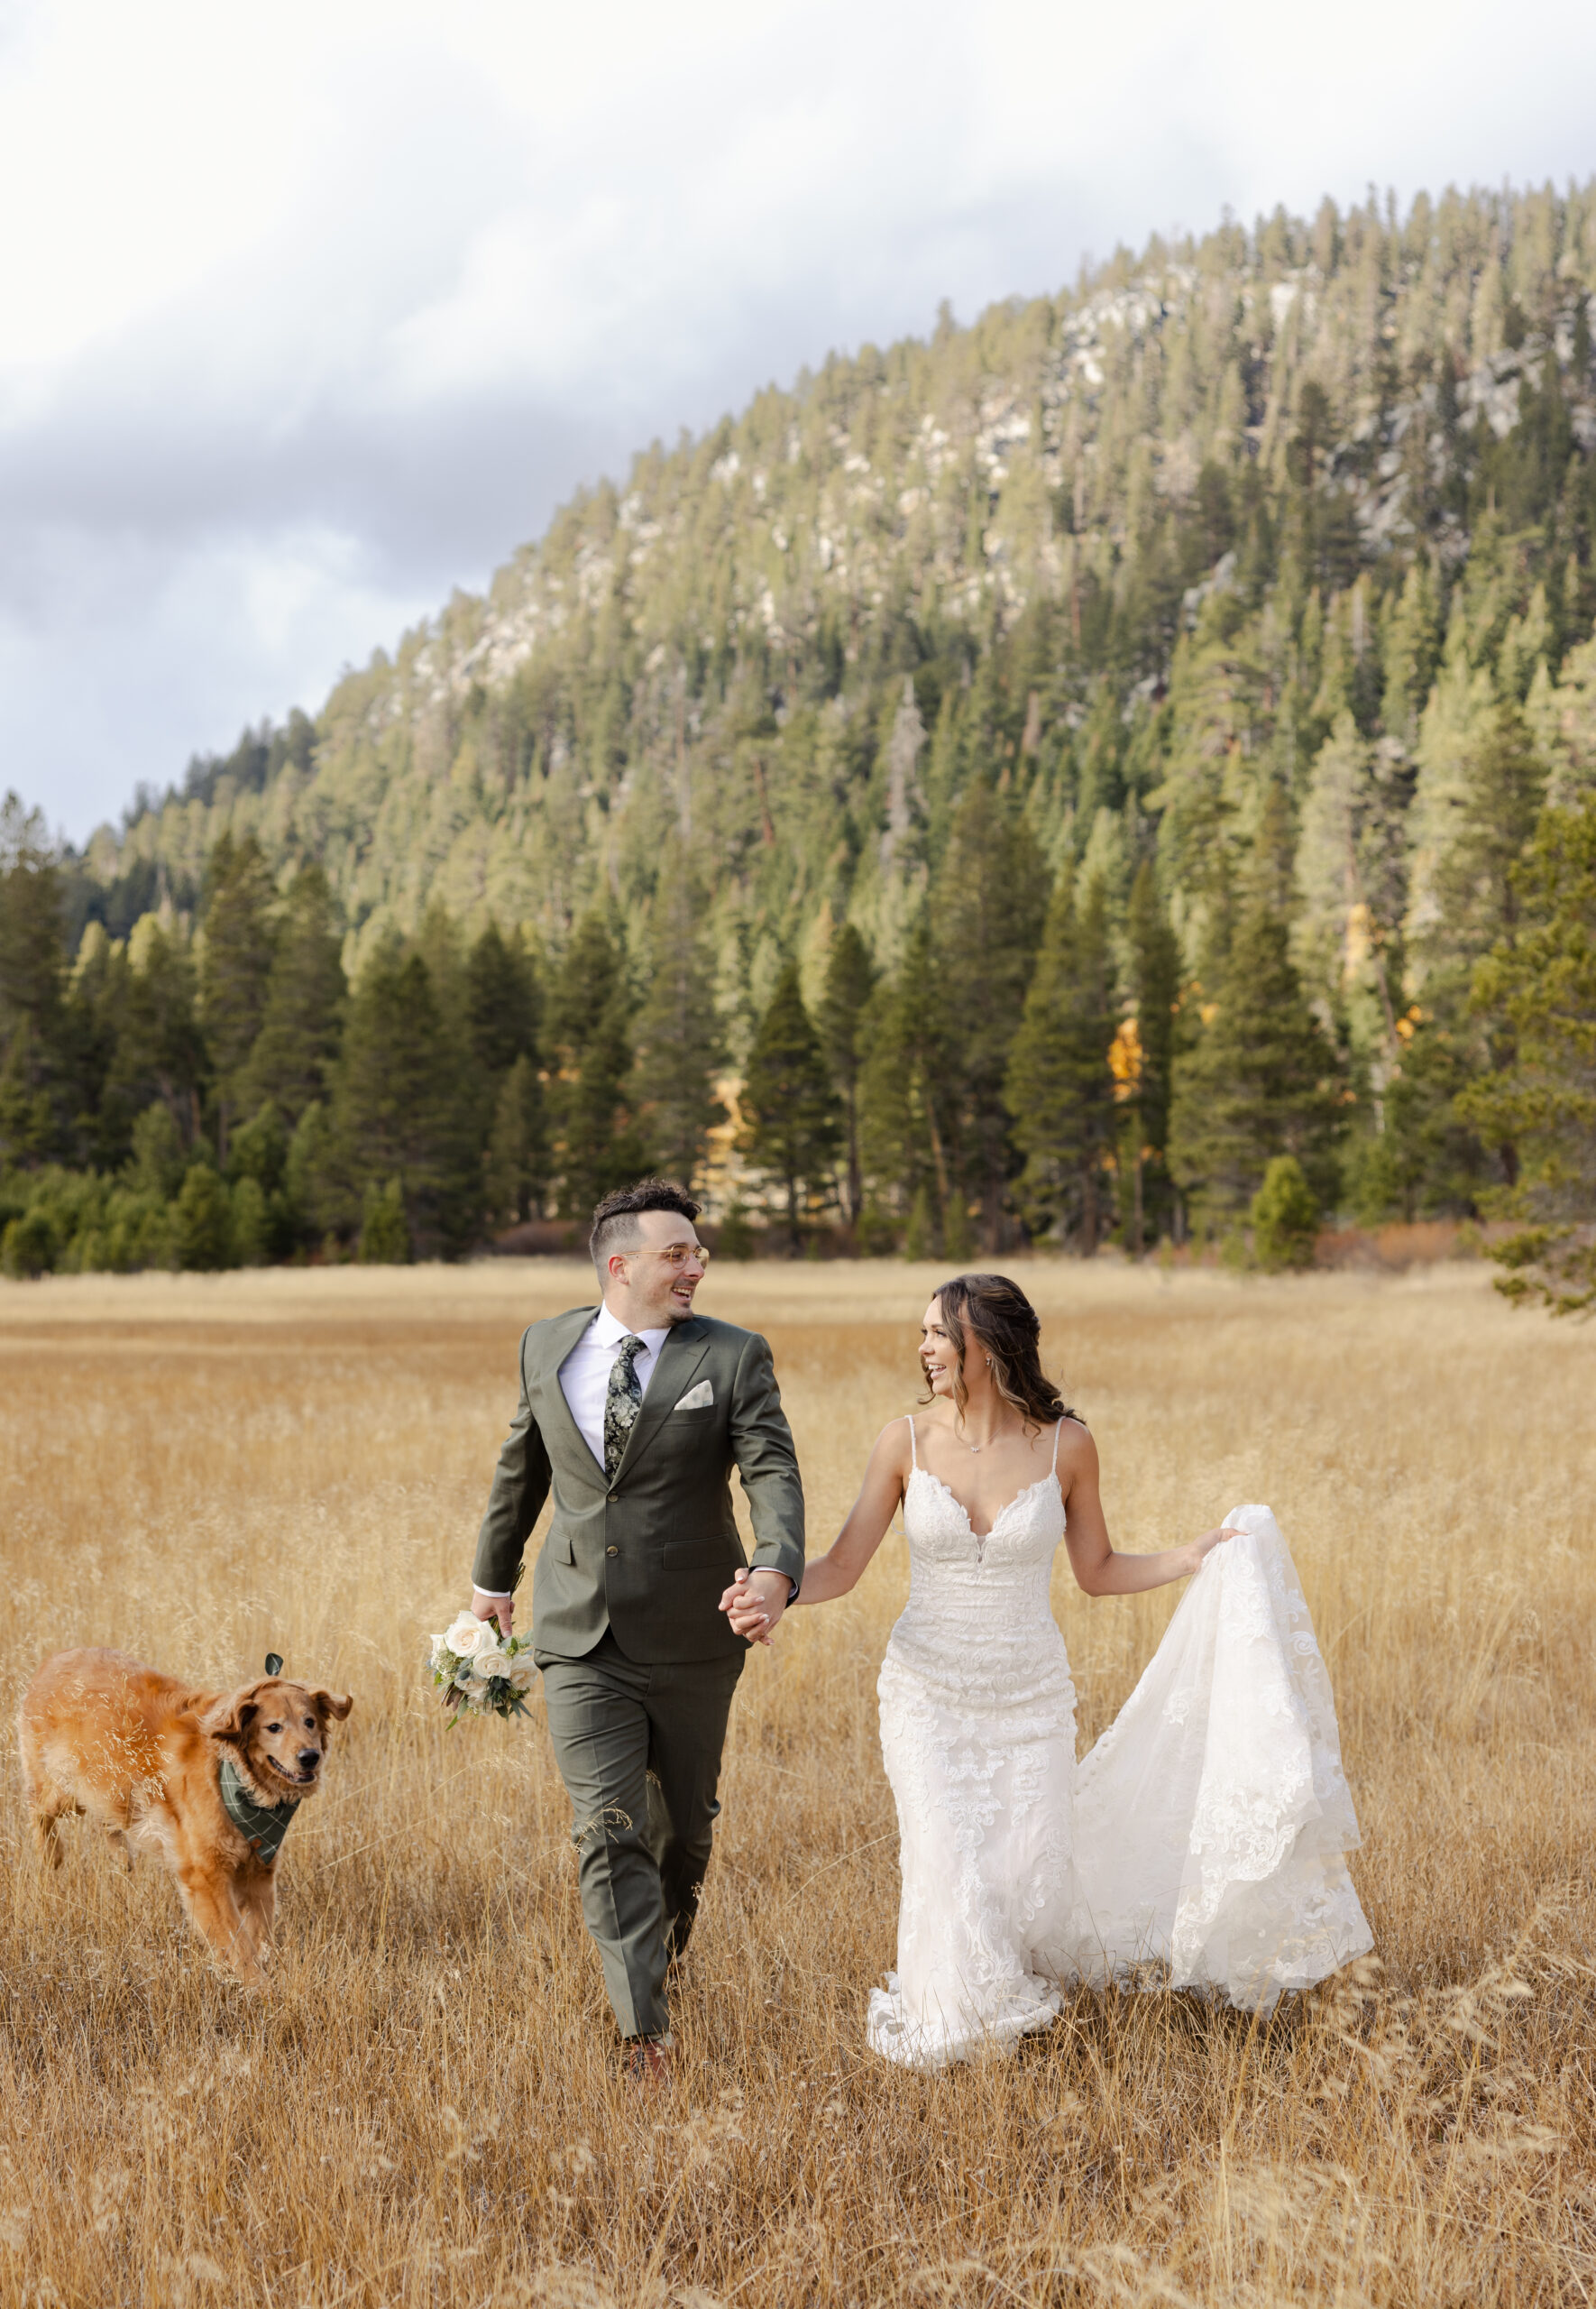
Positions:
{"x": 698, "y": 1398}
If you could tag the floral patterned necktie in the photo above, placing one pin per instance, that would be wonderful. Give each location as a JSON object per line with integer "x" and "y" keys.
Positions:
{"x": 622, "y": 1403}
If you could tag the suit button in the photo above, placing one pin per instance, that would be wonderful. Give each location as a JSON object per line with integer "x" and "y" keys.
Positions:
{"x": 610, "y": 1495}
{"x": 612, "y": 1550}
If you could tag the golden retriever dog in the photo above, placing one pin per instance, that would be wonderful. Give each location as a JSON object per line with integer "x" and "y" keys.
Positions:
{"x": 210, "y": 1780}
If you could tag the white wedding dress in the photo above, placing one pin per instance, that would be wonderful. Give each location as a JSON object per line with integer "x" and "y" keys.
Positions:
{"x": 1200, "y": 1844}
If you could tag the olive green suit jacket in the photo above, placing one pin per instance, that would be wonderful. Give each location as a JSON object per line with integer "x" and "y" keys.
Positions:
{"x": 649, "y": 1553}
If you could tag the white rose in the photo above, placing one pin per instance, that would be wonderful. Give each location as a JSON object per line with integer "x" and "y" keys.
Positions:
{"x": 523, "y": 1676}
{"x": 467, "y": 1634}
{"x": 490, "y": 1662}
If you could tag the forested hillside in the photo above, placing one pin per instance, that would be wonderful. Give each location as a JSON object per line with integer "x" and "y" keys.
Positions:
{"x": 1035, "y": 779}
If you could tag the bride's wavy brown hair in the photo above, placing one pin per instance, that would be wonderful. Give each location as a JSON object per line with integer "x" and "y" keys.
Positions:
{"x": 996, "y": 1313}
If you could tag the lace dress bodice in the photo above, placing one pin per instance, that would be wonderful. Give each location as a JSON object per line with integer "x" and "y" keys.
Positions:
{"x": 1203, "y": 1840}
{"x": 980, "y": 1612}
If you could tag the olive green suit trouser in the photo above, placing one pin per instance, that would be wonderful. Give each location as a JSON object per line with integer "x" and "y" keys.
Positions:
{"x": 638, "y": 1745}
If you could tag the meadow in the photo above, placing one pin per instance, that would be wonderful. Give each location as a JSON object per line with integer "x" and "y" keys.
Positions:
{"x": 426, "y": 2107}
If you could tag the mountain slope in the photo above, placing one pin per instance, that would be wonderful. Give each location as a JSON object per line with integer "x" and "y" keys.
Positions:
{"x": 1045, "y": 500}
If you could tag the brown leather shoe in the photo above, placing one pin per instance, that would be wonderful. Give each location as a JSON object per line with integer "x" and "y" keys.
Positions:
{"x": 647, "y": 2062}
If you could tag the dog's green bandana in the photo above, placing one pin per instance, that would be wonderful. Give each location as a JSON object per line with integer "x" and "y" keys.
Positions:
{"x": 262, "y": 1826}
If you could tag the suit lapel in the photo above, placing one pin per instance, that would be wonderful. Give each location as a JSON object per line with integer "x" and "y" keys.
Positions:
{"x": 679, "y": 1359}
{"x": 562, "y": 1336}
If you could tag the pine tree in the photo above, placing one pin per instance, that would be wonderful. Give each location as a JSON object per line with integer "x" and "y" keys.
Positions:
{"x": 90, "y": 1018}
{"x": 1154, "y": 953}
{"x": 1261, "y": 1079}
{"x": 441, "y": 943}
{"x": 1060, "y": 1089}
{"x": 1423, "y": 1161}
{"x": 1412, "y": 652}
{"x": 517, "y": 1153}
{"x": 32, "y": 1069}
{"x": 1537, "y": 991}
{"x": 292, "y": 1060}
{"x": 160, "y": 1052}
{"x": 1480, "y": 784}
{"x": 397, "y": 1108}
{"x": 503, "y": 1002}
{"x": 680, "y": 1044}
{"x": 904, "y": 799}
{"x": 789, "y": 1128}
{"x": 503, "y": 1010}
{"x": 1563, "y": 716}
{"x": 591, "y": 1014}
{"x": 235, "y": 970}
{"x": 1474, "y": 884}
{"x": 1473, "y": 879}
{"x": 850, "y": 981}
{"x": 1351, "y": 882}
{"x": 155, "y": 1153}
{"x": 908, "y": 1147}
{"x": 1217, "y": 727}
{"x": 316, "y": 1178}
{"x": 988, "y": 904}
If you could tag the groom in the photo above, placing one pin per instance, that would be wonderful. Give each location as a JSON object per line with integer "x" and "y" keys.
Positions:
{"x": 635, "y": 1415}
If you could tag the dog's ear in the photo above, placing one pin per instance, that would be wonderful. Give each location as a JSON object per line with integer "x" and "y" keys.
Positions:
{"x": 231, "y": 1716}
{"x": 336, "y": 1705}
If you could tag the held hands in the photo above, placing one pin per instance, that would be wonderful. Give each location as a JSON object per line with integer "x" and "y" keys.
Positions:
{"x": 754, "y": 1604}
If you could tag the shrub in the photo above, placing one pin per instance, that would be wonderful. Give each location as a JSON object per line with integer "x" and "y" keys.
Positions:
{"x": 734, "y": 1238}
{"x": 1285, "y": 1216}
{"x": 312, "y": 1180}
{"x": 29, "y": 1247}
{"x": 876, "y": 1232}
{"x": 919, "y": 1238}
{"x": 252, "y": 1223}
{"x": 156, "y": 1166}
{"x": 1372, "y": 1182}
{"x": 259, "y": 1150}
{"x": 384, "y": 1234}
{"x": 203, "y": 1221}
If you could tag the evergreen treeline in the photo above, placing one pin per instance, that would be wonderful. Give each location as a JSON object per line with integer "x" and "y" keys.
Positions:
{"x": 1078, "y": 775}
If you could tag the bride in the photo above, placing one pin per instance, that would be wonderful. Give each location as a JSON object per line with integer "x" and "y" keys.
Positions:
{"x": 1204, "y": 1836}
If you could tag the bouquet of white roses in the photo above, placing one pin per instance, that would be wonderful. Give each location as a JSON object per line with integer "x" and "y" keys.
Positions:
{"x": 479, "y": 1672}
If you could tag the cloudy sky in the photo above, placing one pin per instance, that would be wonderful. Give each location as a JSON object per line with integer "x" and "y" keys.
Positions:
{"x": 309, "y": 314}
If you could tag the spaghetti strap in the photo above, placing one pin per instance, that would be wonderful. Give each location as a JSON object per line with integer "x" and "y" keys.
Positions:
{"x": 913, "y": 1447}
{"x": 1057, "y": 1432}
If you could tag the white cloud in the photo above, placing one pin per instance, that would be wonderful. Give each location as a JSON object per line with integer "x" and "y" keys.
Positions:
{"x": 314, "y": 312}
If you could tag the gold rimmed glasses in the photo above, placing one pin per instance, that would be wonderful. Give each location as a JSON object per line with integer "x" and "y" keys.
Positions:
{"x": 678, "y": 1253}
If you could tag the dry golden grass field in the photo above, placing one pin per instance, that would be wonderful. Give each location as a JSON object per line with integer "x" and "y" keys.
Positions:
{"x": 426, "y": 2107}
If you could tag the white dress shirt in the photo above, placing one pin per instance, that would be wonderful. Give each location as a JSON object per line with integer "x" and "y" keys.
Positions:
{"x": 584, "y": 1382}
{"x": 584, "y": 1374}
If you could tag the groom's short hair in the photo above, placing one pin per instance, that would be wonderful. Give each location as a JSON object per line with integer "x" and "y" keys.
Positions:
{"x": 616, "y": 1217}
